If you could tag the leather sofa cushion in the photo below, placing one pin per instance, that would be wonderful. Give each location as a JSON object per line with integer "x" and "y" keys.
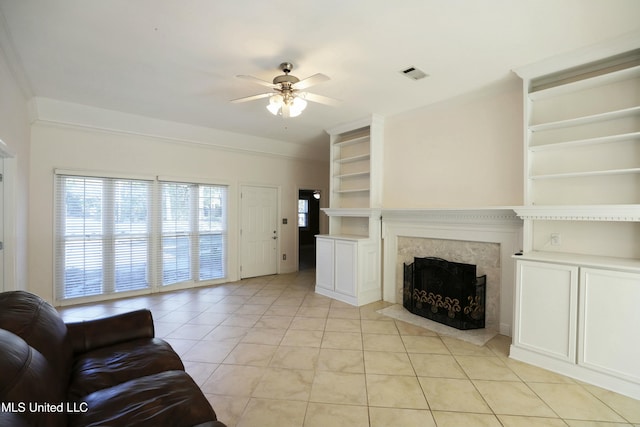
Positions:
{"x": 92, "y": 334}
{"x": 40, "y": 325}
{"x": 169, "y": 398}
{"x": 109, "y": 366}
{"x": 27, "y": 377}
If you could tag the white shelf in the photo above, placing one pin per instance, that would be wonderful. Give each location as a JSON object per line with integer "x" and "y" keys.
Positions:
{"x": 356, "y": 140}
{"x": 355, "y": 190}
{"x": 353, "y": 175}
{"x": 585, "y": 142}
{"x": 352, "y": 237}
{"x": 609, "y": 115}
{"x": 352, "y": 159}
{"x": 608, "y": 172}
{"x": 600, "y": 80}
{"x": 352, "y": 212}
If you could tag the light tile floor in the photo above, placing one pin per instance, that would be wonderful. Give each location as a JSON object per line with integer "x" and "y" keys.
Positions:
{"x": 270, "y": 352}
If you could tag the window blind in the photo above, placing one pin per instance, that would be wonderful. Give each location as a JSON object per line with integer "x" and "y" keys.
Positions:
{"x": 102, "y": 235}
{"x": 193, "y": 232}
{"x": 117, "y": 235}
{"x": 212, "y": 231}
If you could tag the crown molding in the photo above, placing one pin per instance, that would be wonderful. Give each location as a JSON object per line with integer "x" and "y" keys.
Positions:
{"x": 587, "y": 54}
{"x": 52, "y": 112}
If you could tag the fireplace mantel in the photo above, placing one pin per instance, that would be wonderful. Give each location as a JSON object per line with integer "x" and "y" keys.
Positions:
{"x": 497, "y": 214}
{"x": 501, "y": 215}
{"x": 486, "y": 215}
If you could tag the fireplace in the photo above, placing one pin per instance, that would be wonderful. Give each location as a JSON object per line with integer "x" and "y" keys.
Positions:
{"x": 486, "y": 237}
{"x": 446, "y": 292}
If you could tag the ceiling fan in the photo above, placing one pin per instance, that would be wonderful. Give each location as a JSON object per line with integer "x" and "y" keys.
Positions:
{"x": 288, "y": 98}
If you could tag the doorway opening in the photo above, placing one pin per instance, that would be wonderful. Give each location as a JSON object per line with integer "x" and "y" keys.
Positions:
{"x": 308, "y": 227}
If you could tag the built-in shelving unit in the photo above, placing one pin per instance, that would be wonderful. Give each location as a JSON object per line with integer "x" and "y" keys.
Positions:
{"x": 581, "y": 216}
{"x": 584, "y": 133}
{"x": 348, "y": 258}
{"x": 351, "y": 168}
{"x": 355, "y": 167}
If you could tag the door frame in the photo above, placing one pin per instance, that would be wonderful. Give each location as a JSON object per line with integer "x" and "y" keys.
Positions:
{"x": 278, "y": 189}
{"x": 8, "y": 279}
{"x": 322, "y": 230}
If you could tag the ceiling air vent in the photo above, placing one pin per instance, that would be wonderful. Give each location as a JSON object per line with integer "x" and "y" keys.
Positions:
{"x": 413, "y": 73}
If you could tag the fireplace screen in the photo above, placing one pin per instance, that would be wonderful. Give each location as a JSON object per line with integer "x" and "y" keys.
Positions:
{"x": 445, "y": 292}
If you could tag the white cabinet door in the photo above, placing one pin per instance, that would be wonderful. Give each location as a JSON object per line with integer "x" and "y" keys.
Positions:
{"x": 324, "y": 263}
{"x": 345, "y": 267}
{"x": 546, "y": 309}
{"x": 609, "y": 317}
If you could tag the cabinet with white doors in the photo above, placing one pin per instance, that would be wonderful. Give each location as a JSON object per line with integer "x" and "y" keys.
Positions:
{"x": 546, "y": 312}
{"x": 577, "y": 315}
{"x": 347, "y": 275}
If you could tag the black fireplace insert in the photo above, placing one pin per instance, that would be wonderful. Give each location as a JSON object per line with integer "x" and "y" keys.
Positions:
{"x": 446, "y": 292}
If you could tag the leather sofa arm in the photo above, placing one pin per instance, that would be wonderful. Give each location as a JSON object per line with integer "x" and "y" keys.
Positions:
{"x": 92, "y": 334}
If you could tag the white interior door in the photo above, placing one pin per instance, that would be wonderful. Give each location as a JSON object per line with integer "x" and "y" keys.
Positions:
{"x": 259, "y": 231}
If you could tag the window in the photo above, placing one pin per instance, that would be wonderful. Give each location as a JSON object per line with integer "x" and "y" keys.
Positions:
{"x": 212, "y": 227}
{"x": 112, "y": 234}
{"x": 193, "y": 232}
{"x": 303, "y": 213}
{"x": 102, "y": 239}
{"x": 176, "y": 233}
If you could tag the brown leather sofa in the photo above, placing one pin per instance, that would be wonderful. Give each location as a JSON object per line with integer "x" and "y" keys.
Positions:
{"x": 105, "y": 372}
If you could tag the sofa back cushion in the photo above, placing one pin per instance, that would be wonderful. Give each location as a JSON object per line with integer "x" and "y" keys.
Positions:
{"x": 27, "y": 379}
{"x": 39, "y": 324}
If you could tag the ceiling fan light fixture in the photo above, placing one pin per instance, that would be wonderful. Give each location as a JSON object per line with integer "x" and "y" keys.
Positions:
{"x": 298, "y": 105}
{"x": 275, "y": 103}
{"x": 286, "y": 106}
{"x": 290, "y": 97}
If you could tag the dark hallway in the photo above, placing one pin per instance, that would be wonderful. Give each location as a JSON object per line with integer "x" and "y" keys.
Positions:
{"x": 308, "y": 227}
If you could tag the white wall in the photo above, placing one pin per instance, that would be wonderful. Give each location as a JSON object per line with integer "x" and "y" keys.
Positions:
{"x": 84, "y": 148}
{"x": 465, "y": 152}
{"x": 15, "y": 133}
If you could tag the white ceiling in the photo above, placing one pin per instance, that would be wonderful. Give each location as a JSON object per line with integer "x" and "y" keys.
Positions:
{"x": 177, "y": 59}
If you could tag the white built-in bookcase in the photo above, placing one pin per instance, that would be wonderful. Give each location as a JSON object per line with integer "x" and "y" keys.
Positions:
{"x": 580, "y": 267}
{"x": 348, "y": 258}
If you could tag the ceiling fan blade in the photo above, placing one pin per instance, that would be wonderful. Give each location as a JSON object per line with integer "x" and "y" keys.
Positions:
{"x": 257, "y": 80}
{"x": 319, "y": 99}
{"x": 252, "y": 97}
{"x": 310, "y": 81}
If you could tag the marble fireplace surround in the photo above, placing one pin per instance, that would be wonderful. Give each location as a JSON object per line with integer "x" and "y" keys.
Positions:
{"x": 487, "y": 237}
